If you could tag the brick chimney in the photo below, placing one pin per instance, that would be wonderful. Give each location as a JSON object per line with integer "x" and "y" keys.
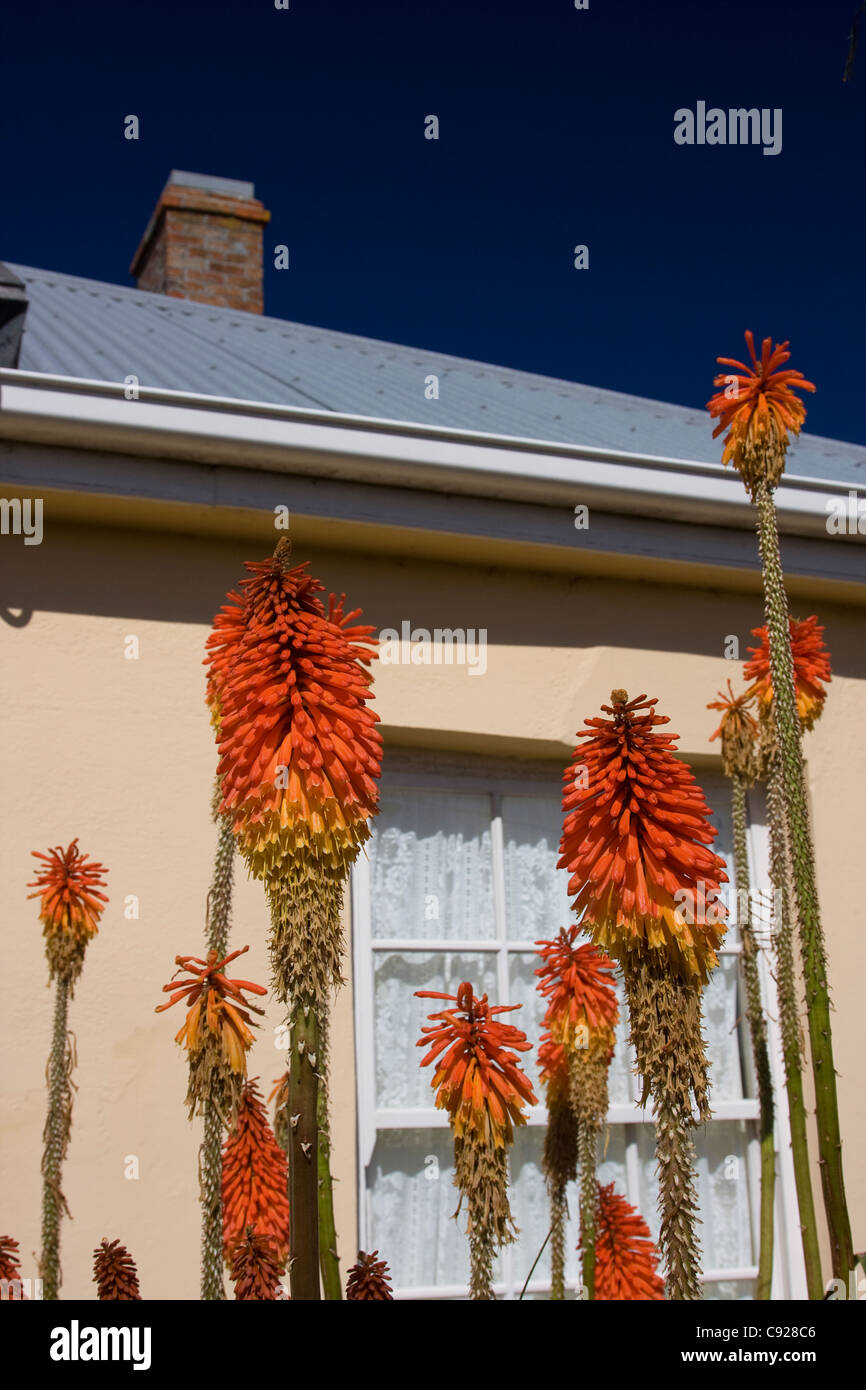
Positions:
{"x": 204, "y": 242}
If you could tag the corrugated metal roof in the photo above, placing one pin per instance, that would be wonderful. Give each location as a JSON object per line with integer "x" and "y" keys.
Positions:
{"x": 86, "y": 328}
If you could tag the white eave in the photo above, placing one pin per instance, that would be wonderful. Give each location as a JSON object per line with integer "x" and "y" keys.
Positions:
{"x": 82, "y": 436}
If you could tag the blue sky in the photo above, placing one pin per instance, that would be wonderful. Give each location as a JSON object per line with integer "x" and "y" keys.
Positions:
{"x": 556, "y": 128}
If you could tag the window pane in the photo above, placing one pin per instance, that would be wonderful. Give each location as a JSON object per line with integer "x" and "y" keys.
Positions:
{"x": 401, "y": 1081}
{"x": 531, "y": 1207}
{"x": 722, "y": 1012}
{"x": 411, "y": 1205}
{"x": 522, "y": 982}
{"x": 431, "y": 866}
{"x": 718, "y": 796}
{"x": 536, "y": 900}
{"x": 729, "y": 1290}
{"x": 724, "y": 1191}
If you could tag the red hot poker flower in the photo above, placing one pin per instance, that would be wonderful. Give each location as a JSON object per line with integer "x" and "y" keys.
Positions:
{"x": 114, "y": 1273}
{"x": 71, "y": 903}
{"x": 478, "y": 1079}
{"x": 255, "y": 1269}
{"x": 299, "y": 748}
{"x": 634, "y": 836}
{"x": 736, "y": 716}
{"x": 215, "y": 1006}
{"x": 625, "y": 1257}
{"x": 553, "y": 1070}
{"x": 811, "y": 668}
{"x": 738, "y": 729}
{"x": 577, "y": 982}
{"x": 369, "y": 1279}
{"x": 757, "y": 405}
{"x": 255, "y": 1177}
{"x": 11, "y": 1287}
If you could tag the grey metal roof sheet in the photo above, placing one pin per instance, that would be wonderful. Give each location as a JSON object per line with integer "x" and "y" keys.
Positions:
{"x": 89, "y": 329}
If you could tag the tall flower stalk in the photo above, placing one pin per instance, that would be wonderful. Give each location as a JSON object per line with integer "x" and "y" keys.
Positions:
{"x": 71, "y": 903}
{"x": 329, "y": 1260}
{"x": 216, "y": 1033}
{"x": 479, "y": 1083}
{"x": 646, "y": 888}
{"x": 760, "y": 411}
{"x": 299, "y": 758}
{"x": 811, "y": 671}
{"x": 219, "y": 907}
{"x": 560, "y": 1157}
{"x": 581, "y": 1015}
{"x": 740, "y": 735}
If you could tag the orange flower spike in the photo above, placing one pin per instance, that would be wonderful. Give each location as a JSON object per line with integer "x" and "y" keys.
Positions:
{"x": 478, "y": 1081}
{"x": 757, "y": 404}
{"x": 740, "y": 734}
{"x": 254, "y": 1181}
{"x": 223, "y": 1002}
{"x": 299, "y": 748}
{"x": 71, "y": 904}
{"x": 735, "y": 712}
{"x": 369, "y": 1279}
{"x": 577, "y": 982}
{"x": 553, "y": 1068}
{"x": 635, "y": 841}
{"x": 812, "y": 671}
{"x": 625, "y": 1257}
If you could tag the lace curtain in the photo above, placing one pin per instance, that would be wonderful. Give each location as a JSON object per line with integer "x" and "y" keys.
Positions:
{"x": 433, "y": 877}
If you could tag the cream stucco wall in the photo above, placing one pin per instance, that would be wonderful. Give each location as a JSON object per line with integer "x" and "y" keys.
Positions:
{"x": 119, "y": 752}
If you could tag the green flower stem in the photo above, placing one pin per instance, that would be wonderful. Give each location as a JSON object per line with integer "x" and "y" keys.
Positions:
{"x": 219, "y": 899}
{"x": 587, "y": 1144}
{"x": 803, "y": 865}
{"x": 789, "y": 1023}
{"x": 329, "y": 1260}
{"x": 210, "y": 1184}
{"x": 304, "y": 1151}
{"x": 219, "y": 908}
{"x": 667, "y": 1036}
{"x": 678, "y": 1200}
{"x": 758, "y": 1030}
{"x": 558, "y": 1213}
{"x": 56, "y": 1140}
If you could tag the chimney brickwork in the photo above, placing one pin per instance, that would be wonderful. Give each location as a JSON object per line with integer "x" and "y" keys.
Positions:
{"x": 204, "y": 243}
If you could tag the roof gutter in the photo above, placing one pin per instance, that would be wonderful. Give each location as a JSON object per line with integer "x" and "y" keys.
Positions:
{"x": 178, "y": 425}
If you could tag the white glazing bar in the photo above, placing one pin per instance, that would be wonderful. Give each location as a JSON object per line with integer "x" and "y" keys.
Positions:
{"x": 438, "y": 943}
{"x": 503, "y": 983}
{"x": 364, "y": 1035}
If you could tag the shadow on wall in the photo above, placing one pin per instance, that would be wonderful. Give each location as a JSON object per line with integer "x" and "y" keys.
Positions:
{"x": 162, "y": 576}
{"x": 15, "y": 619}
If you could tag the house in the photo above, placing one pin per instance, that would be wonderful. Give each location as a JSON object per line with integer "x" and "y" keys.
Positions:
{"x": 592, "y": 538}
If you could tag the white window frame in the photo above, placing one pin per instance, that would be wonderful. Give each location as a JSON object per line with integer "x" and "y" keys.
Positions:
{"x": 496, "y": 780}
